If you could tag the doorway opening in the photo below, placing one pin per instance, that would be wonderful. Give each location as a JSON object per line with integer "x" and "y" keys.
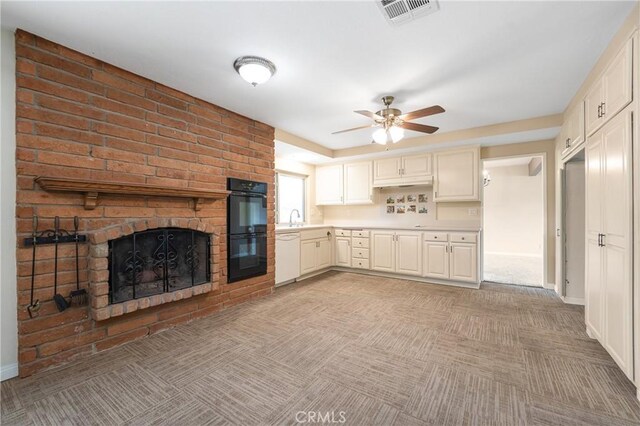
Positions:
{"x": 571, "y": 286}
{"x": 514, "y": 220}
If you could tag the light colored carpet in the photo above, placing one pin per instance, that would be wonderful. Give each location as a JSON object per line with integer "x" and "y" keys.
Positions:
{"x": 372, "y": 350}
{"x": 513, "y": 269}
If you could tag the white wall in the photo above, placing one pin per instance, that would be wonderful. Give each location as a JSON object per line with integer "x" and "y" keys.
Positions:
{"x": 8, "y": 286}
{"x": 314, "y": 213}
{"x": 513, "y": 211}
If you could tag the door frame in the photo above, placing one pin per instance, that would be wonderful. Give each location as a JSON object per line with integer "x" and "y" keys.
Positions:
{"x": 545, "y": 219}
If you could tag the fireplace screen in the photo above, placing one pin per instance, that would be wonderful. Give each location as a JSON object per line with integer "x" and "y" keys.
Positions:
{"x": 157, "y": 261}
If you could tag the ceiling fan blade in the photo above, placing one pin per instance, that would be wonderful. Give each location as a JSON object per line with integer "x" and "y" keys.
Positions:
{"x": 419, "y": 127}
{"x": 355, "y": 128}
{"x": 436, "y": 109}
{"x": 369, "y": 114}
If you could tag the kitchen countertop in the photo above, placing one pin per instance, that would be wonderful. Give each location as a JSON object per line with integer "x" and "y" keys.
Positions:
{"x": 283, "y": 229}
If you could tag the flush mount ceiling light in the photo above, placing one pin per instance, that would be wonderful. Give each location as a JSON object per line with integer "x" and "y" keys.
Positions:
{"x": 254, "y": 69}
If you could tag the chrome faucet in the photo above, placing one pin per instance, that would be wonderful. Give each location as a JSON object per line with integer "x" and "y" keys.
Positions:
{"x": 291, "y": 216}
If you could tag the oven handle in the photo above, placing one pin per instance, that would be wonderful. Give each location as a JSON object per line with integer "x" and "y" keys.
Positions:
{"x": 247, "y": 194}
{"x": 244, "y": 236}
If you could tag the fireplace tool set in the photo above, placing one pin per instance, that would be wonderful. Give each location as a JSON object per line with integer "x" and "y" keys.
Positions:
{"x": 56, "y": 236}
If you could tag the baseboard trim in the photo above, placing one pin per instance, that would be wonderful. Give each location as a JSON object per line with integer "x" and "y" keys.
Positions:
{"x": 550, "y": 286}
{"x": 573, "y": 300}
{"x": 8, "y": 371}
{"x": 424, "y": 280}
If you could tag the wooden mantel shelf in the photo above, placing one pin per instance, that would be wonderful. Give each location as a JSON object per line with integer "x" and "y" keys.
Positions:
{"x": 92, "y": 189}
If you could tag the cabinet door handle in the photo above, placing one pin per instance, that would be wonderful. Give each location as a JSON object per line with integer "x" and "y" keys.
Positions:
{"x": 603, "y": 109}
{"x": 568, "y": 143}
{"x": 600, "y": 111}
{"x": 599, "y": 240}
{"x": 602, "y": 244}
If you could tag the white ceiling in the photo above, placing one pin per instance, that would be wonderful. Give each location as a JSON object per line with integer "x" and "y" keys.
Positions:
{"x": 484, "y": 62}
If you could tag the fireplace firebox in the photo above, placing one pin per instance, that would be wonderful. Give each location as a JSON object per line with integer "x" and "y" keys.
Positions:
{"x": 157, "y": 261}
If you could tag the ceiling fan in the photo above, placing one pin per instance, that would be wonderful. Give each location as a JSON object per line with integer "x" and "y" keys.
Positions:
{"x": 392, "y": 122}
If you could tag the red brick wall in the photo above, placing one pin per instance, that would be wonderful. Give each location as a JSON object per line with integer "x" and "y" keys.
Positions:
{"x": 79, "y": 117}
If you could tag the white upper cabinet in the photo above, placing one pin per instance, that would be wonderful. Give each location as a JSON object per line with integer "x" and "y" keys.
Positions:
{"x": 592, "y": 107}
{"x": 573, "y": 130}
{"x": 357, "y": 183}
{"x": 456, "y": 175}
{"x": 416, "y": 168}
{"x": 407, "y": 170}
{"x": 344, "y": 184}
{"x": 612, "y": 92}
{"x": 387, "y": 170}
{"x": 329, "y": 185}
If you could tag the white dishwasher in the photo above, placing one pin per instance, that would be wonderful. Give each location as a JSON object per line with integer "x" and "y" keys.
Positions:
{"x": 287, "y": 257}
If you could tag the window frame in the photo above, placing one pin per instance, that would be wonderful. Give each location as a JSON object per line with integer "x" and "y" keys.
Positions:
{"x": 303, "y": 213}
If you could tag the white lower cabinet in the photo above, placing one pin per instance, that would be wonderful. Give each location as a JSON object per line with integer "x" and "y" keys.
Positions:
{"x": 452, "y": 256}
{"x": 323, "y": 254}
{"x": 443, "y": 255}
{"x": 315, "y": 250}
{"x": 397, "y": 251}
{"x": 436, "y": 259}
{"x": 463, "y": 263}
{"x": 383, "y": 247}
{"x": 308, "y": 250}
{"x": 343, "y": 251}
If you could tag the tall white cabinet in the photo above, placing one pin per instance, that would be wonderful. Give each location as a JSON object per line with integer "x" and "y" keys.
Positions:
{"x": 609, "y": 292}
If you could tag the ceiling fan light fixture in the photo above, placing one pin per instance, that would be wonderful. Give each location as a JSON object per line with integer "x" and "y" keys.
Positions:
{"x": 395, "y": 133}
{"x": 380, "y": 136}
{"x": 391, "y": 134}
{"x": 254, "y": 69}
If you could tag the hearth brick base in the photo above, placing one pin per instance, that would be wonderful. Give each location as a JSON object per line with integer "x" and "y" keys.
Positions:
{"x": 80, "y": 118}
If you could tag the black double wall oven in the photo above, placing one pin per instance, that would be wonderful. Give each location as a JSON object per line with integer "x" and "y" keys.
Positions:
{"x": 246, "y": 229}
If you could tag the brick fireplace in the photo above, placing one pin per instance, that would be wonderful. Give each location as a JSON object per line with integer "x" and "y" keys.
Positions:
{"x": 81, "y": 119}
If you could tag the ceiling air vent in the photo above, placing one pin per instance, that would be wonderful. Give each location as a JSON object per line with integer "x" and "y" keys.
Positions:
{"x": 401, "y": 11}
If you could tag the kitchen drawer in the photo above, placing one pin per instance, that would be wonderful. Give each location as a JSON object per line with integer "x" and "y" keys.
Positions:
{"x": 435, "y": 236}
{"x": 343, "y": 233}
{"x": 360, "y": 234}
{"x": 460, "y": 237}
{"x": 313, "y": 234}
{"x": 359, "y": 242}
{"x": 360, "y": 263}
{"x": 360, "y": 253}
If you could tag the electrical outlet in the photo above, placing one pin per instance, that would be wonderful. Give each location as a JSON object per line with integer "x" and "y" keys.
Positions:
{"x": 473, "y": 212}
